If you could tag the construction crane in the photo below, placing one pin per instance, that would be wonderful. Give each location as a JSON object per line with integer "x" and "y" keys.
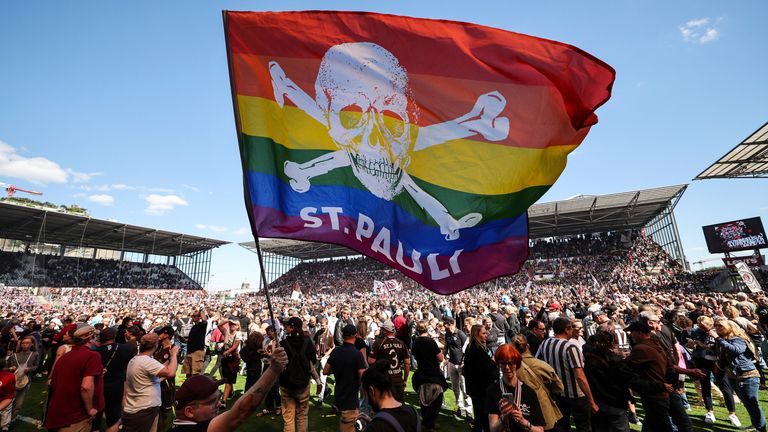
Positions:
{"x": 11, "y": 189}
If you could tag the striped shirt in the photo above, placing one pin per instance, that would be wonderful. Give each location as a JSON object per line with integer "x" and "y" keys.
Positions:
{"x": 564, "y": 356}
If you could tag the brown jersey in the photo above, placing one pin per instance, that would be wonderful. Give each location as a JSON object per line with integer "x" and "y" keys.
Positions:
{"x": 393, "y": 350}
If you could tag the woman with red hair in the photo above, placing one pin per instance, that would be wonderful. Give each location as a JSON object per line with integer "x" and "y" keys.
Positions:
{"x": 511, "y": 404}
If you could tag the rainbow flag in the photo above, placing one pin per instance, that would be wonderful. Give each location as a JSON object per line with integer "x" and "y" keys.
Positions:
{"x": 420, "y": 143}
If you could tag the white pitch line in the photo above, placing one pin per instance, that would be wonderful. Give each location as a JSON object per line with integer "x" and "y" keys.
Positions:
{"x": 35, "y": 422}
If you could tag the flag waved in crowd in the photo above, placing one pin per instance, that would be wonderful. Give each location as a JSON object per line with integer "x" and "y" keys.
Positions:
{"x": 420, "y": 143}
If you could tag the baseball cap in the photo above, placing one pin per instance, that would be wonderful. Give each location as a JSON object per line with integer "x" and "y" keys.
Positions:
{"x": 638, "y": 326}
{"x": 82, "y": 331}
{"x": 195, "y": 388}
{"x": 388, "y": 326}
{"x": 349, "y": 330}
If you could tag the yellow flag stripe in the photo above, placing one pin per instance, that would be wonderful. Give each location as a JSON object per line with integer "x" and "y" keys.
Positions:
{"x": 464, "y": 165}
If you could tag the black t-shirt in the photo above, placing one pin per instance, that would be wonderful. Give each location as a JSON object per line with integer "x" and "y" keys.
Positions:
{"x": 395, "y": 351}
{"x": 405, "y": 415}
{"x": 529, "y": 404}
{"x": 115, "y": 358}
{"x": 360, "y": 344}
{"x": 196, "y": 341}
{"x": 346, "y": 361}
{"x": 455, "y": 343}
{"x": 425, "y": 351}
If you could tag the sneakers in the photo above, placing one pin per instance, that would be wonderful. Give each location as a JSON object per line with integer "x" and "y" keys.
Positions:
{"x": 709, "y": 417}
{"x": 734, "y": 420}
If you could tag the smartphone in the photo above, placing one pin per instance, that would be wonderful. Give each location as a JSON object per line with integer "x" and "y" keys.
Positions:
{"x": 510, "y": 397}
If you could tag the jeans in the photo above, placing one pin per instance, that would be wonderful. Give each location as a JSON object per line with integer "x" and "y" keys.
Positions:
{"x": 747, "y": 391}
{"x": 322, "y": 385}
{"x": 579, "y": 408}
{"x": 18, "y": 400}
{"x": 706, "y": 385}
{"x": 656, "y": 414}
{"x": 678, "y": 413}
{"x": 610, "y": 419}
{"x": 295, "y": 404}
{"x": 458, "y": 387}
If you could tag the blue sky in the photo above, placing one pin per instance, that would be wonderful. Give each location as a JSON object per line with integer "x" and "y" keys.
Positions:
{"x": 125, "y": 108}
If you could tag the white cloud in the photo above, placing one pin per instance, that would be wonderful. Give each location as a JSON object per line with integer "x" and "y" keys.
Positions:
{"x": 161, "y": 190}
{"x": 106, "y": 200}
{"x": 192, "y": 188}
{"x": 121, "y": 186}
{"x": 214, "y": 228}
{"x": 159, "y": 204}
{"x": 242, "y": 231}
{"x": 700, "y": 31}
{"x": 33, "y": 169}
{"x": 82, "y": 177}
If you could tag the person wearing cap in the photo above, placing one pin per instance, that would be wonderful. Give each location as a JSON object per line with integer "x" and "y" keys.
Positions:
{"x": 114, "y": 360}
{"x": 294, "y": 380}
{"x": 167, "y": 385}
{"x": 393, "y": 350}
{"x": 347, "y": 365}
{"x": 198, "y": 399}
{"x": 77, "y": 393}
{"x": 142, "y": 386}
{"x": 650, "y": 362}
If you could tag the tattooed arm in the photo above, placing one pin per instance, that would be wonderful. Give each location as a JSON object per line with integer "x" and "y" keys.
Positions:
{"x": 247, "y": 404}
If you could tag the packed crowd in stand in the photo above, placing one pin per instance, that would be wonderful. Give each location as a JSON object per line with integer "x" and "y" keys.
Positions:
{"x": 590, "y": 330}
{"x": 18, "y": 268}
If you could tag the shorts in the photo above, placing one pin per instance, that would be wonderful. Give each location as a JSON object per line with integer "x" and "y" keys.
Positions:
{"x": 193, "y": 363}
{"x": 142, "y": 420}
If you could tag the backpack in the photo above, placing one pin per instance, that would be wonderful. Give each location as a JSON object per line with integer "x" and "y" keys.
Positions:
{"x": 390, "y": 419}
{"x": 186, "y": 326}
{"x": 296, "y": 374}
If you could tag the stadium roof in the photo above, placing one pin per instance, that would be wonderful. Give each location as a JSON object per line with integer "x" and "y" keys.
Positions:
{"x": 25, "y": 223}
{"x": 749, "y": 159}
{"x": 578, "y": 215}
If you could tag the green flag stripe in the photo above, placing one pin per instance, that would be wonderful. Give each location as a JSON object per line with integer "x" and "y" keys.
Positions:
{"x": 265, "y": 156}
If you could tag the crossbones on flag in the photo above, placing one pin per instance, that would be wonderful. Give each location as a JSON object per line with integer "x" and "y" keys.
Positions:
{"x": 420, "y": 143}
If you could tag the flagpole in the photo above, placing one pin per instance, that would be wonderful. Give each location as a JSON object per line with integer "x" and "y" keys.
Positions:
{"x": 248, "y": 203}
{"x": 264, "y": 281}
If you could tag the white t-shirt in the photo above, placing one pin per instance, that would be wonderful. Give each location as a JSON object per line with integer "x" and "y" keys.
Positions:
{"x": 142, "y": 386}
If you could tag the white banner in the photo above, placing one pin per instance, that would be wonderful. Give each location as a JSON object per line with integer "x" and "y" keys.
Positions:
{"x": 748, "y": 277}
